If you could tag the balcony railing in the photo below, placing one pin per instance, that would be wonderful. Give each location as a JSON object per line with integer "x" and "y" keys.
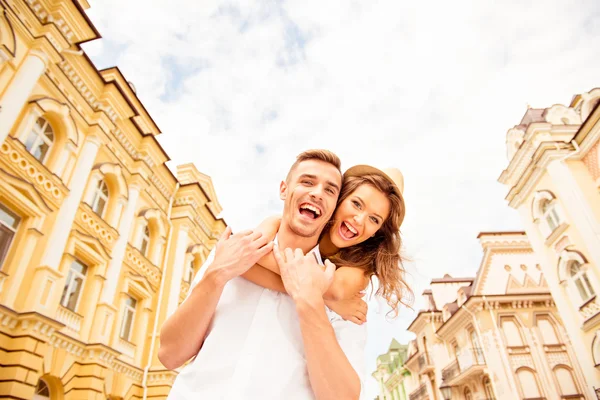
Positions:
{"x": 423, "y": 360}
{"x": 466, "y": 360}
{"x": 419, "y": 394}
{"x": 451, "y": 371}
{"x": 127, "y": 348}
{"x": 71, "y": 319}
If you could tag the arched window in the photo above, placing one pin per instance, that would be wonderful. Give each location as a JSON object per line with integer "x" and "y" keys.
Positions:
{"x": 468, "y": 394}
{"x": 550, "y": 215}
{"x": 565, "y": 380}
{"x": 39, "y": 140}
{"x": 528, "y": 383}
{"x": 547, "y": 331}
{"x": 580, "y": 280}
{"x": 100, "y": 199}
{"x": 42, "y": 392}
{"x": 512, "y": 333}
{"x": 489, "y": 390}
{"x": 145, "y": 241}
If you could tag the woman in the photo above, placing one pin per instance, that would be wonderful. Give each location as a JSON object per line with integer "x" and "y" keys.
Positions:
{"x": 362, "y": 240}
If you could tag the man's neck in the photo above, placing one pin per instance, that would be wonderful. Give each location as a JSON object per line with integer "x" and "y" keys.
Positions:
{"x": 286, "y": 238}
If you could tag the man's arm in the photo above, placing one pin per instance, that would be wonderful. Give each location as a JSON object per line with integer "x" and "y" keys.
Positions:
{"x": 183, "y": 333}
{"x": 330, "y": 372}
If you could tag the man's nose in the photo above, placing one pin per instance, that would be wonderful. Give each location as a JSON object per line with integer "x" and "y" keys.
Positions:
{"x": 317, "y": 192}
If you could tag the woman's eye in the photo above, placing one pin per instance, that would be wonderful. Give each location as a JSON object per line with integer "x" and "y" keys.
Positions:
{"x": 356, "y": 204}
{"x": 375, "y": 220}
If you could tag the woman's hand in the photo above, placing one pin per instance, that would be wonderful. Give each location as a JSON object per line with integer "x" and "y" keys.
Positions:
{"x": 354, "y": 309}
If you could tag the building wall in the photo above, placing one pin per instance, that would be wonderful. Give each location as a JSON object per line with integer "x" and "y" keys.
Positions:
{"x": 565, "y": 158}
{"x": 500, "y": 336}
{"x": 135, "y": 251}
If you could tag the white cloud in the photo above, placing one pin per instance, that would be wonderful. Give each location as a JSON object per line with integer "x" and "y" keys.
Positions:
{"x": 241, "y": 87}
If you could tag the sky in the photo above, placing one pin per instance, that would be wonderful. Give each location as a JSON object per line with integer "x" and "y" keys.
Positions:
{"x": 430, "y": 87}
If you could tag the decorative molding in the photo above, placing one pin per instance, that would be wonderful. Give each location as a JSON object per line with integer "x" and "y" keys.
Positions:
{"x": 87, "y": 94}
{"x": 29, "y": 169}
{"x": 96, "y": 226}
{"x": 46, "y": 17}
{"x": 143, "y": 267}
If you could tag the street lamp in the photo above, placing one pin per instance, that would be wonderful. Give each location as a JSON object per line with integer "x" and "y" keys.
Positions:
{"x": 446, "y": 392}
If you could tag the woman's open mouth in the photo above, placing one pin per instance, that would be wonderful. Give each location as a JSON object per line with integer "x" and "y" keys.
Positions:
{"x": 347, "y": 231}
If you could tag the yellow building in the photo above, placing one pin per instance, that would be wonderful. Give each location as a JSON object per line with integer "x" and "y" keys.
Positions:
{"x": 497, "y": 335}
{"x": 98, "y": 239}
{"x": 553, "y": 180}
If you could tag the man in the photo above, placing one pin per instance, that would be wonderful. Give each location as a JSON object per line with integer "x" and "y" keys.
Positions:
{"x": 251, "y": 342}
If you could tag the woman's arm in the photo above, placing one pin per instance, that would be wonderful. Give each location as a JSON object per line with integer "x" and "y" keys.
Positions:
{"x": 347, "y": 282}
{"x": 269, "y": 228}
{"x": 354, "y": 309}
{"x": 265, "y": 278}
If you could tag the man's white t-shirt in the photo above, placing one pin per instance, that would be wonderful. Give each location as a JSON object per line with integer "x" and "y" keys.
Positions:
{"x": 254, "y": 347}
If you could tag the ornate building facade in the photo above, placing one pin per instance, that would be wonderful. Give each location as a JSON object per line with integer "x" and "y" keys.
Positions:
{"x": 553, "y": 180}
{"x": 99, "y": 240}
{"x": 497, "y": 335}
{"x": 390, "y": 373}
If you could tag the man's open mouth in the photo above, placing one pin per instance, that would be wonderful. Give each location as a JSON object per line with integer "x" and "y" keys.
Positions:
{"x": 310, "y": 210}
{"x": 347, "y": 231}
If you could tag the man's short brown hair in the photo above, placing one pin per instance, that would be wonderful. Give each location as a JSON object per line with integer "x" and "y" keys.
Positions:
{"x": 316, "y": 154}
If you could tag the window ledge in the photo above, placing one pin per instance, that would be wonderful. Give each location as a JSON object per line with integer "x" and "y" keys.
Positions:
{"x": 587, "y": 302}
{"x": 556, "y": 233}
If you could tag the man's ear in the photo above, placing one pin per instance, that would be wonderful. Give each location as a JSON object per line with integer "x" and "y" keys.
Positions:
{"x": 283, "y": 190}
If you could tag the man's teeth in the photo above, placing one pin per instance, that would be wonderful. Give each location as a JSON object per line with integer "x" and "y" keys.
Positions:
{"x": 351, "y": 229}
{"x": 311, "y": 208}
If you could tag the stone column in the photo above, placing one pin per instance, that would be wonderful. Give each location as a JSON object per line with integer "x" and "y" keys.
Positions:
{"x": 18, "y": 276}
{"x": 176, "y": 270}
{"x": 19, "y": 90}
{"x": 106, "y": 311}
{"x": 66, "y": 214}
{"x": 142, "y": 331}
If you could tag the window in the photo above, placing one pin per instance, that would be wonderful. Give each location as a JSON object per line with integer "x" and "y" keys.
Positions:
{"x": 489, "y": 390}
{"x": 580, "y": 280}
{"x": 477, "y": 351}
{"x": 42, "y": 392}
{"x": 73, "y": 286}
{"x": 550, "y": 215}
{"x": 511, "y": 333}
{"x": 145, "y": 242}
{"x": 565, "y": 380}
{"x": 100, "y": 198}
{"x": 128, "y": 318}
{"x": 39, "y": 140}
{"x": 189, "y": 273}
{"x": 468, "y": 394}
{"x": 528, "y": 383}
{"x": 9, "y": 222}
{"x": 547, "y": 331}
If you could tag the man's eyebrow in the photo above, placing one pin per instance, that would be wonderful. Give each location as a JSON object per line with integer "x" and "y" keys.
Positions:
{"x": 335, "y": 185}
{"x": 363, "y": 204}
{"x": 310, "y": 176}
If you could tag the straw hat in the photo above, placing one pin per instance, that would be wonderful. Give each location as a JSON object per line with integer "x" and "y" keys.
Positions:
{"x": 393, "y": 175}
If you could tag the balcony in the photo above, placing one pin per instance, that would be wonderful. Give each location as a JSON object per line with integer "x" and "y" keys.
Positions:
{"x": 425, "y": 364}
{"x": 419, "y": 394}
{"x": 71, "y": 319}
{"x": 127, "y": 348}
{"x": 469, "y": 364}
